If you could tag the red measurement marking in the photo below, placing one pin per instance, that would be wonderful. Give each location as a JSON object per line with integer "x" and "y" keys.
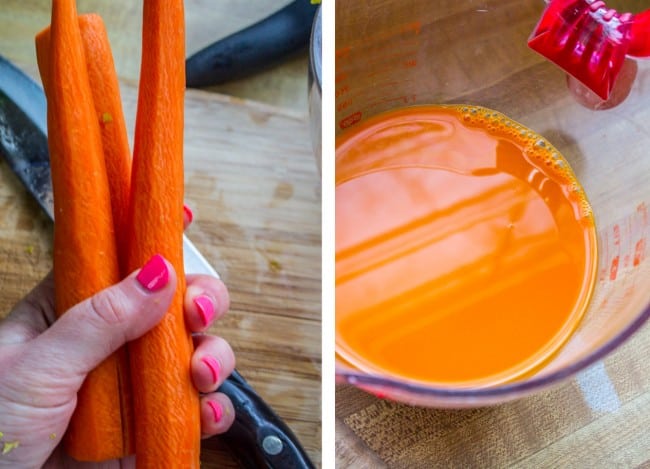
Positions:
{"x": 400, "y": 99}
{"x": 627, "y": 295}
{"x": 613, "y": 270}
{"x": 350, "y": 120}
{"x": 617, "y": 235}
{"x": 414, "y": 27}
{"x": 394, "y": 33}
{"x": 643, "y": 210}
{"x": 410, "y": 63}
{"x": 639, "y": 251}
{"x": 343, "y": 52}
{"x": 391, "y": 58}
{"x": 344, "y": 105}
{"x": 602, "y": 275}
{"x": 342, "y": 90}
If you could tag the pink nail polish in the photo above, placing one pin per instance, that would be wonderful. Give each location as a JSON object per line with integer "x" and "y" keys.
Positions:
{"x": 188, "y": 213}
{"x": 206, "y": 309}
{"x": 217, "y": 410}
{"x": 154, "y": 275}
{"x": 213, "y": 366}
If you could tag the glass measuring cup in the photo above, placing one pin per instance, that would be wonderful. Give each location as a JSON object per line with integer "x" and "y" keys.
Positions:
{"x": 394, "y": 53}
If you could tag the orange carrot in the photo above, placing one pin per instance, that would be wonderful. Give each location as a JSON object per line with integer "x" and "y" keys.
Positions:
{"x": 165, "y": 400}
{"x": 105, "y": 89}
{"x": 117, "y": 157}
{"x": 85, "y": 253}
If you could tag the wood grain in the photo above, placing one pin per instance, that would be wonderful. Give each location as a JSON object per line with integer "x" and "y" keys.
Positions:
{"x": 556, "y": 427}
{"x": 253, "y": 184}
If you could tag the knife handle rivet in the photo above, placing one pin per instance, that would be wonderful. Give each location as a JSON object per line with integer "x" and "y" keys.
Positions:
{"x": 272, "y": 445}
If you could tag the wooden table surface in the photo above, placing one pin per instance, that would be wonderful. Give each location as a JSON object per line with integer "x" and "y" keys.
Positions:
{"x": 252, "y": 181}
{"x": 599, "y": 418}
{"x": 207, "y": 21}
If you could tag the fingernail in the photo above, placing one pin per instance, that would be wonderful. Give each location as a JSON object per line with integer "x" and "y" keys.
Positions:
{"x": 188, "y": 213}
{"x": 206, "y": 309}
{"x": 217, "y": 410}
{"x": 154, "y": 275}
{"x": 213, "y": 366}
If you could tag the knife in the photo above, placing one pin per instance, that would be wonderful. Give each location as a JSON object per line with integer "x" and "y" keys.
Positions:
{"x": 258, "y": 437}
{"x": 254, "y": 48}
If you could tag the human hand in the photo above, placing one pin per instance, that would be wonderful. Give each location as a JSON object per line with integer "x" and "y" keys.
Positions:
{"x": 43, "y": 363}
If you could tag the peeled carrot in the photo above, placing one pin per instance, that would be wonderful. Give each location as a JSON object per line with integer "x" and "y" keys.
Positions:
{"x": 105, "y": 90}
{"x": 165, "y": 401}
{"x": 85, "y": 252}
{"x": 117, "y": 157}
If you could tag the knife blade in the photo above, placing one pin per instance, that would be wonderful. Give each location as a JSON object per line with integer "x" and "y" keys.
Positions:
{"x": 258, "y": 437}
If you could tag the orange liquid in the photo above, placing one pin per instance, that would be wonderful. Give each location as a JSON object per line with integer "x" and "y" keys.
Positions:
{"x": 465, "y": 248}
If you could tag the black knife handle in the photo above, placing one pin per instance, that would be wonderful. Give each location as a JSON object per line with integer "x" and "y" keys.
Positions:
{"x": 258, "y": 46}
{"x": 258, "y": 438}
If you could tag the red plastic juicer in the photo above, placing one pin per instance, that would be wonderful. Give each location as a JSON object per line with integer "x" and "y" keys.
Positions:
{"x": 590, "y": 41}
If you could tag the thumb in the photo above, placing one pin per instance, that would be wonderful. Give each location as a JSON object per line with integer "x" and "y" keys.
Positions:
{"x": 92, "y": 330}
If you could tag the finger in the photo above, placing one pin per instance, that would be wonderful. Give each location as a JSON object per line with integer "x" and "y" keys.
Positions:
{"x": 206, "y": 300}
{"x": 212, "y": 362}
{"x": 90, "y": 331}
{"x": 31, "y": 316}
{"x": 217, "y": 414}
{"x": 188, "y": 216}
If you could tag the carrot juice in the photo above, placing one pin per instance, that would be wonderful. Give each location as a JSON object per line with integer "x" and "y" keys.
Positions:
{"x": 465, "y": 247}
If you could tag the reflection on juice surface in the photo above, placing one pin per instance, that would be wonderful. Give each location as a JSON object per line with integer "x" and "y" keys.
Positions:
{"x": 465, "y": 248}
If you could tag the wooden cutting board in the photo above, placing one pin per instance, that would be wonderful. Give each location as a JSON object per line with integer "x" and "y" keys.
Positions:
{"x": 253, "y": 184}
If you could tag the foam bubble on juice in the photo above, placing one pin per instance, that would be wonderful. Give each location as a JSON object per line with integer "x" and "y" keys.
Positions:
{"x": 536, "y": 147}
